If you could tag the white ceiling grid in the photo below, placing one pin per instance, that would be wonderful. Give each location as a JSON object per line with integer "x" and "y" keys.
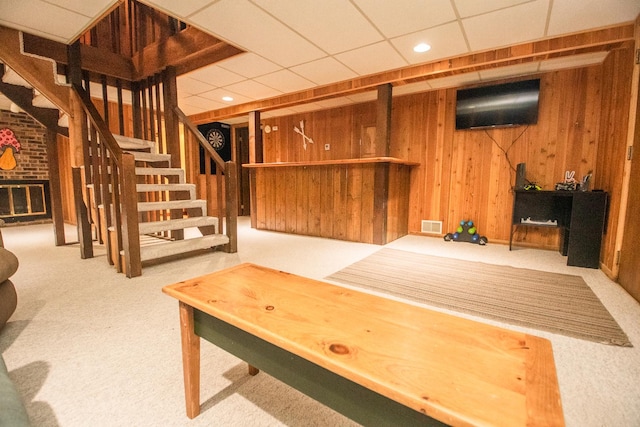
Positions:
{"x": 294, "y": 45}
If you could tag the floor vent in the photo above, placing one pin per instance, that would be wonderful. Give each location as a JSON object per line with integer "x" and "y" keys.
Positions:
{"x": 431, "y": 227}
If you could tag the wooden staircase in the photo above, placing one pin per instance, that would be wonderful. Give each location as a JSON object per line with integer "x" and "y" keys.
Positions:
{"x": 163, "y": 191}
{"x": 126, "y": 192}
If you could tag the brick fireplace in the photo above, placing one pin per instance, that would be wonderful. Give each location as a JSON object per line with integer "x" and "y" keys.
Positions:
{"x": 24, "y": 190}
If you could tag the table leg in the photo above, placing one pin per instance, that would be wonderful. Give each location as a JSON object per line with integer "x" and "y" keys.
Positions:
{"x": 253, "y": 370}
{"x": 190, "y": 360}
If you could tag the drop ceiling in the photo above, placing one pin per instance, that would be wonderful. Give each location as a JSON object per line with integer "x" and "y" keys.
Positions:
{"x": 293, "y": 45}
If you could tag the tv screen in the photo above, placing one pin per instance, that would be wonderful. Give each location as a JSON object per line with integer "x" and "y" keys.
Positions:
{"x": 508, "y": 104}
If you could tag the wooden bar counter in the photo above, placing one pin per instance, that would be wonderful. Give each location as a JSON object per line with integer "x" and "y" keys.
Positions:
{"x": 361, "y": 200}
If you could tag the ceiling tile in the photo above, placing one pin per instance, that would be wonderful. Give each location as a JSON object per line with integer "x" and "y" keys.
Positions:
{"x": 192, "y": 86}
{"x": 348, "y": 28}
{"x": 87, "y": 8}
{"x": 285, "y": 81}
{"x": 249, "y": 65}
{"x": 481, "y": 30}
{"x": 178, "y": 9}
{"x": 252, "y": 89}
{"x": 219, "y": 93}
{"x": 372, "y": 59}
{"x": 324, "y": 71}
{"x": 445, "y": 41}
{"x": 40, "y": 18}
{"x": 467, "y": 8}
{"x": 569, "y": 16}
{"x": 398, "y": 17}
{"x": 200, "y": 102}
{"x": 230, "y": 19}
{"x": 190, "y": 110}
{"x": 215, "y": 76}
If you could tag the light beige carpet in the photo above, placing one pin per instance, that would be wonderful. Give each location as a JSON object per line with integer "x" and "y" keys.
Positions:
{"x": 553, "y": 302}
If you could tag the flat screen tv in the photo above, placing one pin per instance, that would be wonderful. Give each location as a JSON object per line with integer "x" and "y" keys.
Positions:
{"x": 508, "y": 104}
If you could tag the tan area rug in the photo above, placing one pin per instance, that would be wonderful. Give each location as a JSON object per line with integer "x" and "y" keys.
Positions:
{"x": 553, "y": 302}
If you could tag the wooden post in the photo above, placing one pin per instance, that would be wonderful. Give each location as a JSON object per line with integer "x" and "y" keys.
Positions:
{"x": 130, "y": 230}
{"x": 383, "y": 120}
{"x": 255, "y": 138}
{"x": 54, "y": 188}
{"x": 84, "y": 228}
{"x": 255, "y": 156}
{"x": 172, "y": 131}
{"x": 190, "y": 360}
{"x": 231, "y": 190}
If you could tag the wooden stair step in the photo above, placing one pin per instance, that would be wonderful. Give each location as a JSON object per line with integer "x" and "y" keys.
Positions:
{"x": 148, "y": 188}
{"x": 177, "y": 224}
{"x": 173, "y": 204}
{"x": 141, "y": 156}
{"x": 129, "y": 143}
{"x": 161, "y": 248}
{"x": 162, "y": 172}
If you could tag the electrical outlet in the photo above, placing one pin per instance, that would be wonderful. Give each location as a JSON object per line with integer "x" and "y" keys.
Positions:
{"x": 327, "y": 147}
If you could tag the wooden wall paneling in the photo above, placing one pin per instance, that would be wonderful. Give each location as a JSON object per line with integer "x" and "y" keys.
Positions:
{"x": 380, "y": 206}
{"x": 612, "y": 148}
{"x": 260, "y": 195}
{"x": 302, "y": 201}
{"x": 354, "y": 203}
{"x": 315, "y": 199}
{"x": 393, "y": 203}
{"x": 280, "y": 187}
{"x": 290, "y": 200}
{"x": 340, "y": 202}
{"x": 366, "y": 207}
{"x": 270, "y": 198}
{"x": 326, "y": 202}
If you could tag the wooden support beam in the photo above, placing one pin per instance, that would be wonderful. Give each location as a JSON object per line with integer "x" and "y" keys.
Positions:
{"x": 383, "y": 120}
{"x": 94, "y": 60}
{"x": 55, "y": 189}
{"x": 38, "y": 72}
{"x": 82, "y": 216}
{"x": 255, "y": 138}
{"x": 187, "y": 50}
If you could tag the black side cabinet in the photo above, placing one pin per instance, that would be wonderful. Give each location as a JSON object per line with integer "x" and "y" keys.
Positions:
{"x": 579, "y": 215}
{"x": 588, "y": 213}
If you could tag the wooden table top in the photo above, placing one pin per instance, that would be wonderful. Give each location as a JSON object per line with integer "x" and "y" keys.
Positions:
{"x": 458, "y": 371}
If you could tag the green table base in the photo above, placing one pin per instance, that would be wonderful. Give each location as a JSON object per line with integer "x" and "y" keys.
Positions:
{"x": 350, "y": 399}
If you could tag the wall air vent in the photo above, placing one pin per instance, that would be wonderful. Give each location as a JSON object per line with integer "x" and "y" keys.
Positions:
{"x": 431, "y": 227}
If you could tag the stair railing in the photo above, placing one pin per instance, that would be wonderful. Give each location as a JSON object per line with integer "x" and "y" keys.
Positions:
{"x": 115, "y": 169}
{"x": 226, "y": 181}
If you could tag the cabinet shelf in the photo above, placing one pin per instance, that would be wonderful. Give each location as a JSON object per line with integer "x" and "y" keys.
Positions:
{"x": 579, "y": 215}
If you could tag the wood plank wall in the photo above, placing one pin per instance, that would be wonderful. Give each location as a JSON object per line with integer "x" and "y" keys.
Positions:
{"x": 465, "y": 174}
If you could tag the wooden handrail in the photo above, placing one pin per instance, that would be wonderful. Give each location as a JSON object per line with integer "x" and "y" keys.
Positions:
{"x": 123, "y": 185}
{"x": 229, "y": 169}
{"x": 100, "y": 125}
{"x": 203, "y": 142}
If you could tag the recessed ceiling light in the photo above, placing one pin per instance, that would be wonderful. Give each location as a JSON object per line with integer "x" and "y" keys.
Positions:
{"x": 421, "y": 48}
{"x": 227, "y": 98}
